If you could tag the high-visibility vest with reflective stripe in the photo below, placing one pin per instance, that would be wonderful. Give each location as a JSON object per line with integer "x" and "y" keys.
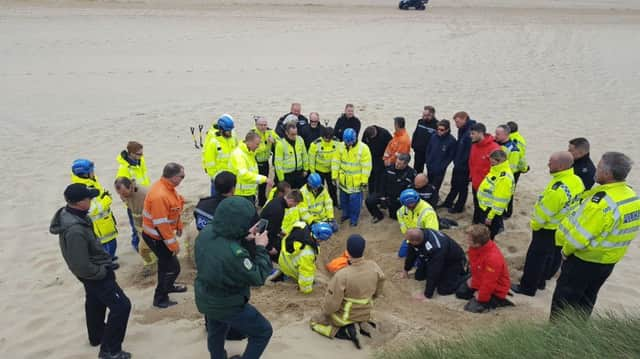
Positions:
{"x": 602, "y": 226}
{"x": 104, "y": 223}
{"x": 352, "y": 167}
{"x": 522, "y": 146}
{"x": 263, "y": 152}
{"x": 161, "y": 215}
{"x": 243, "y": 164}
{"x": 289, "y": 159}
{"x": 300, "y": 264}
{"x": 513, "y": 154}
{"x": 216, "y": 152}
{"x": 315, "y": 208}
{"x": 348, "y": 303}
{"x": 421, "y": 216}
{"x": 291, "y": 217}
{"x": 321, "y": 154}
{"x": 496, "y": 189}
{"x": 134, "y": 172}
{"x": 555, "y": 201}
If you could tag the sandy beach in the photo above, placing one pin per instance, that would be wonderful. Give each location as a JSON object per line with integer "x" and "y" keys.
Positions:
{"x": 81, "y": 78}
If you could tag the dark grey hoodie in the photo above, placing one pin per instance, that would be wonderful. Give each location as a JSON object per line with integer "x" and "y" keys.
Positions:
{"x": 80, "y": 248}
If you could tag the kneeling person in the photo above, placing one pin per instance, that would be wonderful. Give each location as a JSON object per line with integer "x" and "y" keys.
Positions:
{"x": 299, "y": 250}
{"x": 489, "y": 273}
{"x": 439, "y": 260}
{"x": 350, "y": 294}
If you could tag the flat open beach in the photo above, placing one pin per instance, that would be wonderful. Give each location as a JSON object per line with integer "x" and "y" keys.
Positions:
{"x": 78, "y": 79}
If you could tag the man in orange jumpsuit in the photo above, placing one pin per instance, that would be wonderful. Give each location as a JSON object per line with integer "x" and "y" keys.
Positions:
{"x": 161, "y": 225}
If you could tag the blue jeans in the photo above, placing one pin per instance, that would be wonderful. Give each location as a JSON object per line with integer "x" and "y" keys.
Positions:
{"x": 110, "y": 247}
{"x": 135, "y": 240}
{"x": 248, "y": 322}
{"x": 351, "y": 203}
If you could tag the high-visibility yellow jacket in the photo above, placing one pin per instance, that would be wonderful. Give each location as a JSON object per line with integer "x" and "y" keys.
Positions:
{"x": 602, "y": 226}
{"x": 243, "y": 164}
{"x": 496, "y": 189}
{"x": 263, "y": 152}
{"x": 522, "y": 146}
{"x": 351, "y": 167}
{"x": 104, "y": 223}
{"x": 216, "y": 152}
{"x": 555, "y": 201}
{"x": 315, "y": 208}
{"x": 133, "y": 172}
{"x": 513, "y": 155}
{"x": 292, "y": 216}
{"x": 321, "y": 154}
{"x": 299, "y": 264}
{"x": 289, "y": 158}
{"x": 421, "y": 216}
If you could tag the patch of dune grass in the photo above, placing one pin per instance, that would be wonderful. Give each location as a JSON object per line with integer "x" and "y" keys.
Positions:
{"x": 605, "y": 336}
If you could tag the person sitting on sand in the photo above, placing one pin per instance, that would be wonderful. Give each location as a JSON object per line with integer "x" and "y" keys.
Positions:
{"x": 489, "y": 280}
{"x": 350, "y": 294}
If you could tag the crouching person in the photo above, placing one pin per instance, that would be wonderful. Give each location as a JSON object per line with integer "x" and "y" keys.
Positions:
{"x": 439, "y": 260}
{"x": 298, "y": 253}
{"x": 225, "y": 273}
{"x": 489, "y": 283}
{"x": 350, "y": 294}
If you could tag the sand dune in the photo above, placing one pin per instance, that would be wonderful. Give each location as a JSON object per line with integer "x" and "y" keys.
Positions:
{"x": 80, "y": 79}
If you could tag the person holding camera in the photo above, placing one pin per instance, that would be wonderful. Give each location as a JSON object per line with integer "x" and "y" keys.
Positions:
{"x": 226, "y": 271}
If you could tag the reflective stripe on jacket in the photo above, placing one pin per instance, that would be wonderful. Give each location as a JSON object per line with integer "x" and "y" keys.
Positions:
{"x": 263, "y": 152}
{"x": 289, "y": 158}
{"x": 299, "y": 264}
{"x": 315, "y": 208}
{"x": 422, "y": 216}
{"x": 243, "y": 164}
{"x": 555, "y": 201}
{"x": 104, "y": 223}
{"x": 216, "y": 152}
{"x": 134, "y": 172}
{"x": 352, "y": 167}
{"x": 321, "y": 154}
{"x": 161, "y": 215}
{"x": 602, "y": 226}
{"x": 496, "y": 189}
{"x": 522, "y": 146}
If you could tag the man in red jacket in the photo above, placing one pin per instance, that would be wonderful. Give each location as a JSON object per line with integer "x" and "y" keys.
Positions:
{"x": 482, "y": 146}
{"x": 489, "y": 273}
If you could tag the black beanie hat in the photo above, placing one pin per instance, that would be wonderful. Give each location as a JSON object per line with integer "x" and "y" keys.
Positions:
{"x": 355, "y": 245}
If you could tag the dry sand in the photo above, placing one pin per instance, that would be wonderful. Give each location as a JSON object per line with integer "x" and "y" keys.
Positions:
{"x": 80, "y": 79}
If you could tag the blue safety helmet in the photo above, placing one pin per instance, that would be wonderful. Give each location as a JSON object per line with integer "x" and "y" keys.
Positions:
{"x": 321, "y": 231}
{"x": 409, "y": 196}
{"x": 349, "y": 136}
{"x": 314, "y": 181}
{"x": 82, "y": 167}
{"x": 225, "y": 122}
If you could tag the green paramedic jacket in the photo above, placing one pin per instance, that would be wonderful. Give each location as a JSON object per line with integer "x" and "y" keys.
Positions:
{"x": 225, "y": 270}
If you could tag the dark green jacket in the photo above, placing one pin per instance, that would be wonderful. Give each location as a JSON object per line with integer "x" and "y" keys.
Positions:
{"x": 80, "y": 248}
{"x": 225, "y": 269}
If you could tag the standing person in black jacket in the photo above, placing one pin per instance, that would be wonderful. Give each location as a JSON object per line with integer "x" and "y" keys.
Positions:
{"x": 314, "y": 131}
{"x": 422, "y": 135}
{"x": 377, "y": 138}
{"x": 302, "y": 122}
{"x": 346, "y": 120}
{"x": 88, "y": 261}
{"x": 273, "y": 211}
{"x": 397, "y": 178}
{"x": 460, "y": 178}
{"x": 439, "y": 260}
{"x": 440, "y": 153}
{"x": 225, "y": 185}
{"x": 582, "y": 165}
